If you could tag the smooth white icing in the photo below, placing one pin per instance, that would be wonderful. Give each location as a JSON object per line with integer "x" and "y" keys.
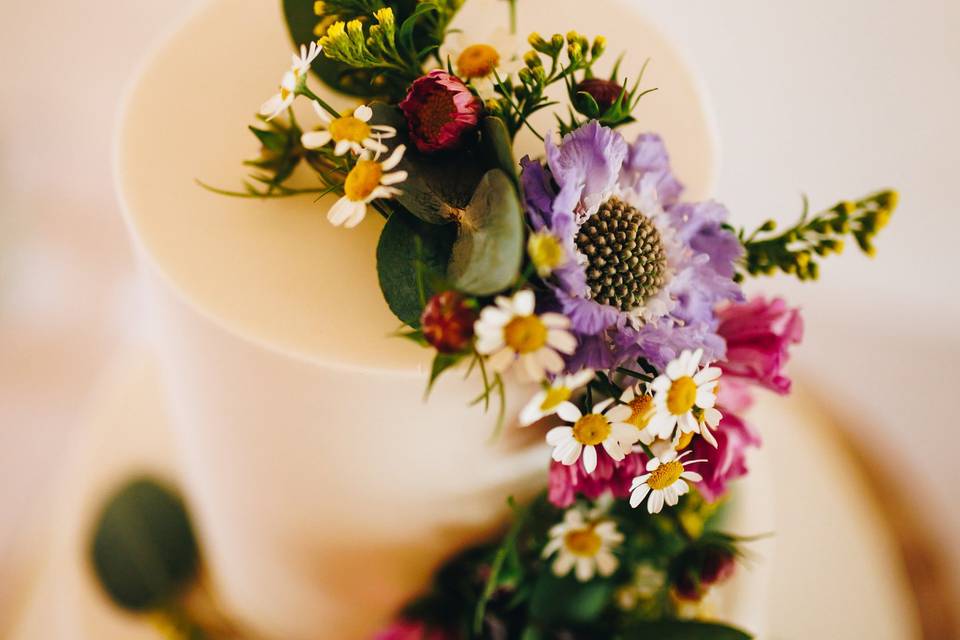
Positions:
{"x": 325, "y": 488}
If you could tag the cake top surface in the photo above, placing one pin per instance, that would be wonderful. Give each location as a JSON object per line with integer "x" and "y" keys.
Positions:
{"x": 275, "y": 272}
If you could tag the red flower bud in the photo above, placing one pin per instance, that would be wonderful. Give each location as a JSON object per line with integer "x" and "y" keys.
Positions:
{"x": 441, "y": 111}
{"x": 447, "y": 322}
{"x": 605, "y": 92}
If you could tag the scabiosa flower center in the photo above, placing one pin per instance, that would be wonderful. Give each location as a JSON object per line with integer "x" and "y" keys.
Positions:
{"x": 362, "y": 180}
{"x": 525, "y": 334}
{"x": 591, "y": 429}
{"x": 349, "y": 128}
{"x": 682, "y": 395}
{"x": 477, "y": 61}
{"x": 640, "y": 411}
{"x": 665, "y": 475}
{"x": 627, "y": 263}
{"x": 582, "y": 542}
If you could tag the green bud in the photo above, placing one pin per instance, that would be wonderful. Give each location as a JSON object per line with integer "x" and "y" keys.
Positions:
{"x": 769, "y": 225}
{"x": 538, "y": 43}
{"x": 575, "y": 52}
{"x": 532, "y": 60}
{"x": 599, "y": 46}
{"x": 556, "y": 43}
{"x": 572, "y": 36}
{"x": 525, "y": 75}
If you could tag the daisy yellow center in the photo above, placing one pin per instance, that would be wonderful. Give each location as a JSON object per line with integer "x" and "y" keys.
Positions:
{"x": 362, "y": 180}
{"x": 525, "y": 334}
{"x": 284, "y": 93}
{"x": 349, "y": 128}
{"x": 477, "y": 61}
{"x": 682, "y": 395}
{"x": 665, "y": 475}
{"x": 684, "y": 441}
{"x": 582, "y": 542}
{"x": 640, "y": 411}
{"x": 555, "y": 395}
{"x": 545, "y": 252}
{"x": 591, "y": 429}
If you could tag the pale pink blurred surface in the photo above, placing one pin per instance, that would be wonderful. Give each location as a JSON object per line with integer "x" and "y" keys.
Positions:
{"x": 832, "y": 99}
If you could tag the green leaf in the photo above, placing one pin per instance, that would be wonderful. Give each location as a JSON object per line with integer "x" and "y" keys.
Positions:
{"x": 559, "y": 601}
{"x": 498, "y": 147}
{"x": 438, "y": 187}
{"x": 143, "y": 550}
{"x": 272, "y": 140}
{"x": 682, "y": 630}
{"x": 411, "y": 256}
{"x": 488, "y": 252}
{"x": 442, "y": 362}
{"x": 301, "y": 21}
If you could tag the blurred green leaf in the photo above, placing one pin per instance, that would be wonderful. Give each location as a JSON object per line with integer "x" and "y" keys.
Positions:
{"x": 143, "y": 550}
{"x": 488, "y": 252}
{"x": 560, "y": 601}
{"x": 682, "y": 630}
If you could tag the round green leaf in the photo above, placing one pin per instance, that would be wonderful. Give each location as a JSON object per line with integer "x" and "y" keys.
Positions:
{"x": 411, "y": 258}
{"x": 143, "y": 550}
{"x": 488, "y": 252}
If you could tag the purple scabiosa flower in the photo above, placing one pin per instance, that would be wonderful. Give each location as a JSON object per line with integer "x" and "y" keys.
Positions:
{"x": 643, "y": 272}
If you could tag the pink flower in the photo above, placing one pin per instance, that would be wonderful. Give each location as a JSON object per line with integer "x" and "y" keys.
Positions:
{"x": 441, "y": 111}
{"x": 568, "y": 481}
{"x": 758, "y": 335}
{"x": 728, "y": 461}
{"x": 410, "y": 630}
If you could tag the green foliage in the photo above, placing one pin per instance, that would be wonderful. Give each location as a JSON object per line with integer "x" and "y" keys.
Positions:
{"x": 681, "y": 630}
{"x": 793, "y": 251}
{"x": 488, "y": 252}
{"x": 143, "y": 549}
{"x": 412, "y": 257}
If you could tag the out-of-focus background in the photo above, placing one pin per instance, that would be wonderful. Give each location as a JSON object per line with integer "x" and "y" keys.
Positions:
{"x": 829, "y": 98}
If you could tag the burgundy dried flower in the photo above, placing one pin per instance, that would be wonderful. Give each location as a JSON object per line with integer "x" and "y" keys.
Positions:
{"x": 698, "y": 568}
{"x": 447, "y": 322}
{"x": 441, "y": 111}
{"x": 604, "y": 92}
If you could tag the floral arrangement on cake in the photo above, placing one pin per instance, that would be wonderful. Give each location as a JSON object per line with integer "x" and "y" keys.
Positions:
{"x": 583, "y": 271}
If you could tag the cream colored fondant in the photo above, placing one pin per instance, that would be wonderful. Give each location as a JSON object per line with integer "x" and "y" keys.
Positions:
{"x": 326, "y": 490}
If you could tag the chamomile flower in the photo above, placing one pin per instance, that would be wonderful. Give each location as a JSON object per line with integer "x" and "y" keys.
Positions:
{"x": 368, "y": 180}
{"x": 682, "y": 388}
{"x": 291, "y": 81}
{"x": 589, "y": 430}
{"x": 348, "y": 133}
{"x": 641, "y": 408}
{"x": 510, "y": 332}
{"x": 475, "y": 58}
{"x": 546, "y": 402}
{"x": 583, "y": 544}
{"x": 665, "y": 481}
{"x": 709, "y": 420}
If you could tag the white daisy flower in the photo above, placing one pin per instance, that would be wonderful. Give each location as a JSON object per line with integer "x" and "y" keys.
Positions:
{"x": 509, "y": 331}
{"x": 583, "y": 544}
{"x": 368, "y": 180}
{"x": 589, "y": 430}
{"x": 641, "y": 408}
{"x": 348, "y": 133}
{"x": 290, "y": 82}
{"x": 709, "y": 420}
{"x": 679, "y": 390}
{"x": 546, "y": 402}
{"x": 665, "y": 481}
{"x": 475, "y": 58}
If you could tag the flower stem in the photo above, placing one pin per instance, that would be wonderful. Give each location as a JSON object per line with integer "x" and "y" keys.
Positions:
{"x": 305, "y": 90}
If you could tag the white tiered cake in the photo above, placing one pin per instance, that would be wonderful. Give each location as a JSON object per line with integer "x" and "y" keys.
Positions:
{"x": 325, "y": 489}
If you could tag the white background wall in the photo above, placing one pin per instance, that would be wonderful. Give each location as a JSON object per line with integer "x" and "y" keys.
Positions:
{"x": 831, "y": 98}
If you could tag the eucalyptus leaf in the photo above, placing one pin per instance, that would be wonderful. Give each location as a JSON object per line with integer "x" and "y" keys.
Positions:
{"x": 437, "y": 186}
{"x": 143, "y": 550}
{"x": 682, "y": 630}
{"x": 488, "y": 252}
{"x": 498, "y": 147}
{"x": 411, "y": 258}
